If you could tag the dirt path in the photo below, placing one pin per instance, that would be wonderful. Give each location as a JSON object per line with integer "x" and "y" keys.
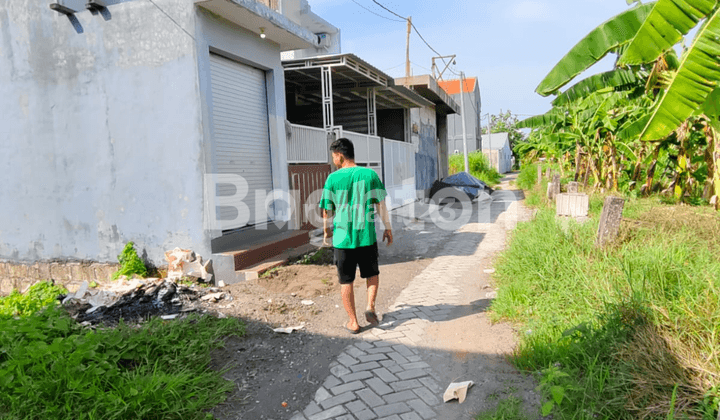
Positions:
{"x": 433, "y": 296}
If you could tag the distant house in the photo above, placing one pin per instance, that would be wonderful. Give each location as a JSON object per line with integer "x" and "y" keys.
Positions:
{"x": 429, "y": 131}
{"x": 496, "y": 147}
{"x": 162, "y": 123}
{"x": 471, "y": 113}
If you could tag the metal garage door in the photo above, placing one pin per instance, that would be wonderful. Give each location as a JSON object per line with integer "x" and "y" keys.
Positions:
{"x": 241, "y": 139}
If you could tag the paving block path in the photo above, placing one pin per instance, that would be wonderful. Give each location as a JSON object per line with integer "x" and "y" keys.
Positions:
{"x": 383, "y": 376}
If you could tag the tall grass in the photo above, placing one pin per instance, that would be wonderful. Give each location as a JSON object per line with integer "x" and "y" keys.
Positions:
{"x": 632, "y": 331}
{"x": 53, "y": 368}
{"x": 479, "y": 167}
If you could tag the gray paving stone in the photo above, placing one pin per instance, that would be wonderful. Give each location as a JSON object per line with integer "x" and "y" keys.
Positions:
{"x": 427, "y": 396}
{"x": 431, "y": 384}
{"x": 407, "y": 315}
{"x": 415, "y": 365}
{"x": 365, "y": 415}
{"x": 370, "y": 398}
{"x": 422, "y": 409}
{"x": 384, "y": 343}
{"x": 358, "y": 376}
{"x": 393, "y": 417}
{"x": 403, "y": 385}
{"x": 398, "y": 357}
{"x": 377, "y": 350}
{"x": 311, "y": 409}
{"x": 411, "y": 374}
{"x": 390, "y": 409}
{"x": 364, "y": 366}
{"x": 346, "y": 417}
{"x": 379, "y": 386}
{"x": 399, "y": 396}
{"x": 298, "y": 416}
{"x": 356, "y": 406}
{"x": 351, "y": 386}
{"x": 337, "y": 400}
{"x": 331, "y": 382}
{"x": 340, "y": 371}
{"x": 395, "y": 368}
{"x": 364, "y": 345}
{"x": 385, "y": 375}
{"x": 322, "y": 394}
{"x": 414, "y": 359}
{"x": 404, "y": 350}
{"x": 372, "y": 357}
{"x": 328, "y": 414}
{"x": 354, "y": 351}
{"x": 410, "y": 416}
{"x": 346, "y": 359}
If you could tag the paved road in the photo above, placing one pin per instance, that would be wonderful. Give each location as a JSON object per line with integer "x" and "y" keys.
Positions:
{"x": 436, "y": 332}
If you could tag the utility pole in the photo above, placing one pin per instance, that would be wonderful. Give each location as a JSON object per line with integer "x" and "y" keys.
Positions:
{"x": 462, "y": 115}
{"x": 407, "y": 49}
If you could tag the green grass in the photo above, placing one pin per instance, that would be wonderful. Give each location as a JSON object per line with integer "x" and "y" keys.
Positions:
{"x": 508, "y": 409}
{"x": 630, "y": 331}
{"x": 479, "y": 167}
{"x": 53, "y": 368}
{"x": 38, "y": 296}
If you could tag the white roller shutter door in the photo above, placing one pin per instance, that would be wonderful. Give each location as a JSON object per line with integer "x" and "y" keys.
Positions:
{"x": 241, "y": 139}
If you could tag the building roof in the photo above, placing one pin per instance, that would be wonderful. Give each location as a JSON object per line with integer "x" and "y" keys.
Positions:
{"x": 452, "y": 87}
{"x": 428, "y": 88}
{"x": 495, "y": 141}
{"x": 350, "y": 77}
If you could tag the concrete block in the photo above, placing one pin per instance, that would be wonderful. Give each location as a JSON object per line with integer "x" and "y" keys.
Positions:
{"x": 223, "y": 268}
{"x": 572, "y": 204}
{"x": 610, "y": 220}
{"x": 573, "y": 187}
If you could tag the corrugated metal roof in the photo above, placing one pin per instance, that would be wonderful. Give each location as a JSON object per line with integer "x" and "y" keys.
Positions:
{"x": 452, "y": 87}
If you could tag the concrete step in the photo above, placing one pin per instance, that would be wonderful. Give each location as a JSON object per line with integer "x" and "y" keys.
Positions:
{"x": 275, "y": 245}
{"x": 253, "y": 272}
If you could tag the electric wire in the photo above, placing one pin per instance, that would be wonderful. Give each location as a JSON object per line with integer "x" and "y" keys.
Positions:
{"x": 173, "y": 20}
{"x": 377, "y": 14}
{"x": 413, "y": 26}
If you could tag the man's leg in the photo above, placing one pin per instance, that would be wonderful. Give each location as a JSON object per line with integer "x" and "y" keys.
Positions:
{"x": 348, "y": 298}
{"x": 372, "y": 289}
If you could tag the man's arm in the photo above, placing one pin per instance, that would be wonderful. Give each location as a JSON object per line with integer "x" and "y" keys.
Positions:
{"x": 327, "y": 227}
{"x": 382, "y": 210}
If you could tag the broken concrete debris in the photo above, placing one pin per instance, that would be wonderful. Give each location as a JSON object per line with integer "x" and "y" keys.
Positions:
{"x": 184, "y": 263}
{"x": 457, "y": 390}
{"x": 137, "y": 300}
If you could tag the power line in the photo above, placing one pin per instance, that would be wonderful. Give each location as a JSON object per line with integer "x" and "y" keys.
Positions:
{"x": 173, "y": 20}
{"x": 413, "y": 26}
{"x": 377, "y": 14}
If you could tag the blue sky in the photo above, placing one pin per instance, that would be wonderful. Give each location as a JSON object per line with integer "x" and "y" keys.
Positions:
{"x": 510, "y": 45}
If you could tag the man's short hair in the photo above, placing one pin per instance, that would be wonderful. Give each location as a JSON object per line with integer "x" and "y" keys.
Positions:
{"x": 344, "y": 147}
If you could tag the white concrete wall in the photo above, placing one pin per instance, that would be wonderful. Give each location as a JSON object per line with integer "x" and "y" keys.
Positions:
{"x": 100, "y": 140}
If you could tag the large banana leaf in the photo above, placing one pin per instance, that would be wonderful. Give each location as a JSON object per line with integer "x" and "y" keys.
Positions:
{"x": 668, "y": 22}
{"x": 591, "y": 49}
{"x": 611, "y": 80}
{"x": 543, "y": 120}
{"x": 697, "y": 76}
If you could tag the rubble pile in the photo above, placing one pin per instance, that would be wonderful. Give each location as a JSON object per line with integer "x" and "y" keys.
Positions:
{"x": 137, "y": 300}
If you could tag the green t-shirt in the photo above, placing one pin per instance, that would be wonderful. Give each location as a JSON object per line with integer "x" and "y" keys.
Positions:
{"x": 351, "y": 193}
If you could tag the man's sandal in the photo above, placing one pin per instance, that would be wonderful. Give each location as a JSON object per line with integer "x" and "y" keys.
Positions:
{"x": 372, "y": 318}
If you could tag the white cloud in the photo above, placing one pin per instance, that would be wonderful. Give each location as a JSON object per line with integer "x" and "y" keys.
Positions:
{"x": 530, "y": 11}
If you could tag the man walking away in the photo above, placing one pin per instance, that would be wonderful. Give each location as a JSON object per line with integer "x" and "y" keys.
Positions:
{"x": 348, "y": 197}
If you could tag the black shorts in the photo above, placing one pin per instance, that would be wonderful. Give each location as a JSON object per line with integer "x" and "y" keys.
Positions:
{"x": 347, "y": 261}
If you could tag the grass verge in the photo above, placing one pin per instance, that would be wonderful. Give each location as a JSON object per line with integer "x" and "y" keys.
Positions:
{"x": 626, "y": 332}
{"x": 479, "y": 167}
{"x": 53, "y": 368}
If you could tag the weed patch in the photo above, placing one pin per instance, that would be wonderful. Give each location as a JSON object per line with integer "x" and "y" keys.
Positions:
{"x": 624, "y": 332}
{"x": 52, "y": 368}
{"x": 38, "y": 296}
{"x": 479, "y": 167}
{"x": 130, "y": 263}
